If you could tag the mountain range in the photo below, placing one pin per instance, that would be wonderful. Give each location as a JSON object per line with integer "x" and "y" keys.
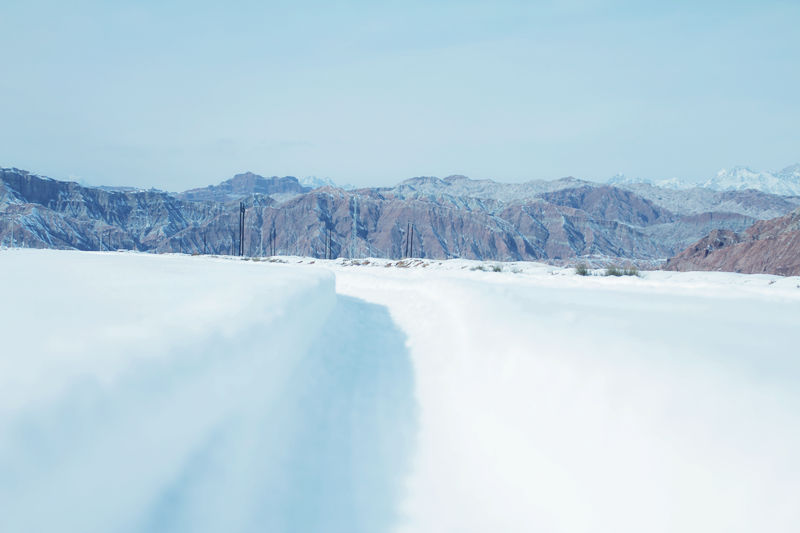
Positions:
{"x": 560, "y": 220}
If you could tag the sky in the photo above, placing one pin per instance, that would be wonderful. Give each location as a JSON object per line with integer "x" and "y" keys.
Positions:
{"x": 174, "y": 94}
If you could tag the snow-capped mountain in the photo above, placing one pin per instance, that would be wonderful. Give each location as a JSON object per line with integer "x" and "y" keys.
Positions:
{"x": 785, "y": 182}
{"x": 671, "y": 183}
{"x": 313, "y": 182}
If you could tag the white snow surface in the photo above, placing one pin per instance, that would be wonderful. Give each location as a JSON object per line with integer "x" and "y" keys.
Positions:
{"x": 175, "y": 393}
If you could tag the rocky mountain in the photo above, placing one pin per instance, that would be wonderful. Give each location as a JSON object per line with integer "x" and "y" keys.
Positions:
{"x": 453, "y": 217}
{"x": 242, "y": 185}
{"x": 40, "y": 212}
{"x": 768, "y": 246}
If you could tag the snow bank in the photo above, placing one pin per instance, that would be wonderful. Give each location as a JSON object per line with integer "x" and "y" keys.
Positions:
{"x": 153, "y": 393}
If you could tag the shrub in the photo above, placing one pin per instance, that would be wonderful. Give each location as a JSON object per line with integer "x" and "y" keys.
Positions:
{"x": 488, "y": 268}
{"x": 613, "y": 270}
{"x": 631, "y": 271}
{"x": 582, "y": 270}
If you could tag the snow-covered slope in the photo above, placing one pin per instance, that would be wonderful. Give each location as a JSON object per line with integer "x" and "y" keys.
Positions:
{"x": 142, "y": 393}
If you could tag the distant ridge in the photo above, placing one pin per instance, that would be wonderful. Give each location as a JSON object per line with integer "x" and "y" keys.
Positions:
{"x": 560, "y": 220}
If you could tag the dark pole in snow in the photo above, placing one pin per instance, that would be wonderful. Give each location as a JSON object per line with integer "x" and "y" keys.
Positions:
{"x": 408, "y": 232}
{"x": 241, "y": 228}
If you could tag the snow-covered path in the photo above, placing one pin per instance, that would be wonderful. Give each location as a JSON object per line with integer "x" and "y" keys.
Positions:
{"x": 169, "y": 393}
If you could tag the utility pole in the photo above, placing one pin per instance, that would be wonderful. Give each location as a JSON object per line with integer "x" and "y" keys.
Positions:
{"x": 355, "y": 228}
{"x": 241, "y": 228}
{"x": 408, "y": 233}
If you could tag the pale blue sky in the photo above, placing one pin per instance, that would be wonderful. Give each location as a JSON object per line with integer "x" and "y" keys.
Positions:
{"x": 177, "y": 94}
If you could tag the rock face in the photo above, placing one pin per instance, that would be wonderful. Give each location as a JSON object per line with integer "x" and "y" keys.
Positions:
{"x": 768, "y": 246}
{"x": 44, "y": 213}
{"x": 452, "y": 217}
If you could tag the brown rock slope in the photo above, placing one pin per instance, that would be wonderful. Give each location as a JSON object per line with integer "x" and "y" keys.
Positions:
{"x": 767, "y": 247}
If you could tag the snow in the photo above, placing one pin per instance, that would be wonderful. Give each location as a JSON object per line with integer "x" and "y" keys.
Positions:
{"x": 166, "y": 393}
{"x": 148, "y": 393}
{"x": 564, "y": 404}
